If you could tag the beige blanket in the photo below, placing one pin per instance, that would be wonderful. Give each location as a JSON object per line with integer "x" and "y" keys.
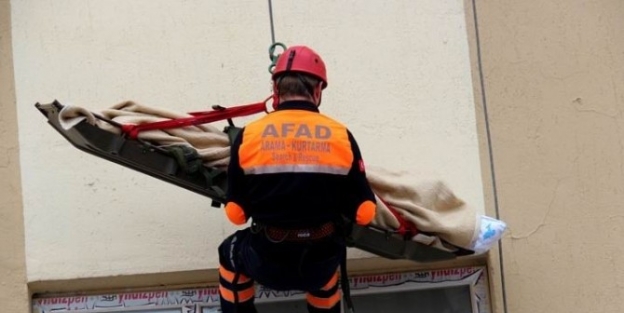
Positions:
{"x": 211, "y": 143}
{"x": 428, "y": 203}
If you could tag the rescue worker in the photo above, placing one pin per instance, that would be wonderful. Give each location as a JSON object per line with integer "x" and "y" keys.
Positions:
{"x": 297, "y": 174}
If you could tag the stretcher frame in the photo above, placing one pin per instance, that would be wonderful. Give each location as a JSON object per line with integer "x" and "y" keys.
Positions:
{"x": 145, "y": 158}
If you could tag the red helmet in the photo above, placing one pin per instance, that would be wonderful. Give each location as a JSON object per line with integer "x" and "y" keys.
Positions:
{"x": 303, "y": 60}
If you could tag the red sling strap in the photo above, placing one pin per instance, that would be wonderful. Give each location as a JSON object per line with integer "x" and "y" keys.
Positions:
{"x": 405, "y": 228}
{"x": 202, "y": 117}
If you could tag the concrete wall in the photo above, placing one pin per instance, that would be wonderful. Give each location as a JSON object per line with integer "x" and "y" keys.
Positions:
{"x": 13, "y": 290}
{"x": 399, "y": 76}
{"x": 554, "y": 86}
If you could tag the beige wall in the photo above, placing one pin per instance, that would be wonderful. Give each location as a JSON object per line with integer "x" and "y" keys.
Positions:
{"x": 407, "y": 95}
{"x": 554, "y": 85}
{"x": 13, "y": 290}
{"x": 88, "y": 217}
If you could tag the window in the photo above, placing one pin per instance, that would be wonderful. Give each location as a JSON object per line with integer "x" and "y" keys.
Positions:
{"x": 457, "y": 290}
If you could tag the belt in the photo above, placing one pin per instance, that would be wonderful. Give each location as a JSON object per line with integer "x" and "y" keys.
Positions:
{"x": 277, "y": 234}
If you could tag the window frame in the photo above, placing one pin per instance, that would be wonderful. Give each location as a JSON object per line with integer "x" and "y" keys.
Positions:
{"x": 194, "y": 300}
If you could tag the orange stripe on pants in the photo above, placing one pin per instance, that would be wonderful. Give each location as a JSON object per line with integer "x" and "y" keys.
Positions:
{"x": 331, "y": 283}
{"x": 229, "y": 276}
{"x": 324, "y": 303}
{"x": 243, "y": 295}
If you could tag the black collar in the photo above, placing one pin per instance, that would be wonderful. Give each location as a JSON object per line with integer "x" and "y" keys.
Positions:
{"x": 297, "y": 105}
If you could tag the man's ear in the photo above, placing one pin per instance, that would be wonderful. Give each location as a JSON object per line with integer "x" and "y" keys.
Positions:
{"x": 318, "y": 90}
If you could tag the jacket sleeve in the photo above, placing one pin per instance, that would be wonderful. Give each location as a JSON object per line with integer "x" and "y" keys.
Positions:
{"x": 235, "y": 204}
{"x": 364, "y": 206}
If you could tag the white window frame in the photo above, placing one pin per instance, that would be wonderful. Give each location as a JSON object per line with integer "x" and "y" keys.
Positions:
{"x": 194, "y": 300}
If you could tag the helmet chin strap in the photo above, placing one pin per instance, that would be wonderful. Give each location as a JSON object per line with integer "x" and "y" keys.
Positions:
{"x": 275, "y": 101}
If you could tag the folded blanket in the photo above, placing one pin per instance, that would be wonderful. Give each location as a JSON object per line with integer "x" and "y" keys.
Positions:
{"x": 426, "y": 202}
{"x": 211, "y": 143}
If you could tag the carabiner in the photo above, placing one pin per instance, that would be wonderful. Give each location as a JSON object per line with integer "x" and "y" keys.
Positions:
{"x": 272, "y": 56}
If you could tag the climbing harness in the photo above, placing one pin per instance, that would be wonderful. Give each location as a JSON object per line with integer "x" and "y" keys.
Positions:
{"x": 277, "y": 235}
{"x": 305, "y": 236}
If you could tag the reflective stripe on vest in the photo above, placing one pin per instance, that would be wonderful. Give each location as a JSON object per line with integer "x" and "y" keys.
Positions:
{"x": 297, "y": 168}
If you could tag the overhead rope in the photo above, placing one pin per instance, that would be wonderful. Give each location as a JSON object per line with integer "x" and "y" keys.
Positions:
{"x": 272, "y": 56}
{"x": 271, "y": 19}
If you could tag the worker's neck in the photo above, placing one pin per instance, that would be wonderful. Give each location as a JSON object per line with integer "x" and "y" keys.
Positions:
{"x": 296, "y": 98}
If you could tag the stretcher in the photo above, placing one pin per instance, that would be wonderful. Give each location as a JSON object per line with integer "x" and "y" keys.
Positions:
{"x": 172, "y": 167}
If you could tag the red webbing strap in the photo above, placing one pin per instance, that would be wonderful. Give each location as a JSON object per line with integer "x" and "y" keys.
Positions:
{"x": 197, "y": 118}
{"x": 405, "y": 227}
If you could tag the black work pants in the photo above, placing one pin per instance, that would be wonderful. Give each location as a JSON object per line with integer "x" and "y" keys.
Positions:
{"x": 246, "y": 258}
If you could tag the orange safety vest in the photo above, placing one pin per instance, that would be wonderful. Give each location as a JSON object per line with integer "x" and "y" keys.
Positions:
{"x": 296, "y": 167}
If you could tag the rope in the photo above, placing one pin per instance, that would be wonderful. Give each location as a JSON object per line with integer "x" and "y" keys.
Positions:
{"x": 344, "y": 283}
{"x": 271, "y": 19}
{"x": 272, "y": 56}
